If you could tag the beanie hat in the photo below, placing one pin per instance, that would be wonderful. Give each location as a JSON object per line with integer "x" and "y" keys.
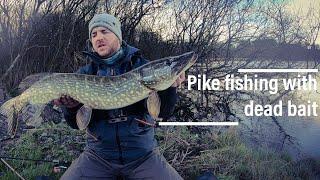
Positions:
{"x": 107, "y": 21}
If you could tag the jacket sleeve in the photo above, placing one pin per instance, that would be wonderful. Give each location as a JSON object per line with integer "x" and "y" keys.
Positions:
{"x": 70, "y": 113}
{"x": 168, "y": 99}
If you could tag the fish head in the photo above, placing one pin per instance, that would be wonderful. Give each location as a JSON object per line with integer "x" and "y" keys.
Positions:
{"x": 162, "y": 73}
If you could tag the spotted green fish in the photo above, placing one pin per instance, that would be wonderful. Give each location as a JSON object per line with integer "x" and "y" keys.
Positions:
{"x": 97, "y": 92}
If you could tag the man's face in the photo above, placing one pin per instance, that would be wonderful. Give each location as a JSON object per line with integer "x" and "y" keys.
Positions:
{"x": 104, "y": 41}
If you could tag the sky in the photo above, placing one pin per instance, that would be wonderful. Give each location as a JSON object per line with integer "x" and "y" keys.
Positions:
{"x": 302, "y": 7}
{"x": 299, "y": 6}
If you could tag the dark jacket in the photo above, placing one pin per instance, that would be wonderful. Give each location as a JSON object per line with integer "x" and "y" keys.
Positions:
{"x": 125, "y": 141}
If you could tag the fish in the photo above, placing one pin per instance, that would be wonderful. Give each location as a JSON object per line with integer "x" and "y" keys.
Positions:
{"x": 101, "y": 92}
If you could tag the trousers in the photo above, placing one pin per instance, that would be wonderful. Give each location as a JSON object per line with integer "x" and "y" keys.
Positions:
{"x": 90, "y": 166}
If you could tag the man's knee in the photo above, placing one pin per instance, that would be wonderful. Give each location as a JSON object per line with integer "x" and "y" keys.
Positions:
{"x": 87, "y": 166}
{"x": 74, "y": 171}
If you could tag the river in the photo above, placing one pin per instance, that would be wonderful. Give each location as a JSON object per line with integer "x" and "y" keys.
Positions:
{"x": 298, "y": 136}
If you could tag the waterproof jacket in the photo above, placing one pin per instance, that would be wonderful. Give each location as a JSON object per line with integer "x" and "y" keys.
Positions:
{"x": 124, "y": 141}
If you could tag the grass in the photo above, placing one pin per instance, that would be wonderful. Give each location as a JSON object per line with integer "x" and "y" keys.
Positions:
{"x": 49, "y": 143}
{"x": 229, "y": 158}
{"x": 190, "y": 153}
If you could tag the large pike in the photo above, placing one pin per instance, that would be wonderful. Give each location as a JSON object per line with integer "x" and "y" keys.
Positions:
{"x": 97, "y": 92}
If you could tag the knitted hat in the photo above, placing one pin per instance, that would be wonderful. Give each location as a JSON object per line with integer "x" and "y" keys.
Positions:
{"x": 107, "y": 21}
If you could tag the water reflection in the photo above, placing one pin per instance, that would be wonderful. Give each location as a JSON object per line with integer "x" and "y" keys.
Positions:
{"x": 299, "y": 136}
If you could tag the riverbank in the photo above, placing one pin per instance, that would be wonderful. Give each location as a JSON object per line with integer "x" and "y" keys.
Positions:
{"x": 190, "y": 153}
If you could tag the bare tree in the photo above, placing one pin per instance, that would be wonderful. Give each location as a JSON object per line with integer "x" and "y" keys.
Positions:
{"x": 312, "y": 31}
{"x": 42, "y": 35}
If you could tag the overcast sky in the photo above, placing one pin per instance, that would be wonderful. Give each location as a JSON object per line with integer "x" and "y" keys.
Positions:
{"x": 302, "y": 6}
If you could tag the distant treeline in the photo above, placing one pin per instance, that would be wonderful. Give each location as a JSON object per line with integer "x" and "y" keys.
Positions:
{"x": 48, "y": 35}
{"x": 271, "y": 49}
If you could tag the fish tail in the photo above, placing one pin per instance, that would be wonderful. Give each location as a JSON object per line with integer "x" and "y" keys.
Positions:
{"x": 10, "y": 110}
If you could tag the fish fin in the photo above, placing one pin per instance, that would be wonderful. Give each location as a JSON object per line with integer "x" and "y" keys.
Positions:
{"x": 83, "y": 117}
{"x": 30, "y": 80}
{"x": 13, "y": 124}
{"x": 10, "y": 110}
{"x": 153, "y": 105}
{"x": 6, "y": 108}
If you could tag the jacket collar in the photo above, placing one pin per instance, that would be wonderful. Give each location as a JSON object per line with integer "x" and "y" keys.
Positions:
{"x": 124, "y": 54}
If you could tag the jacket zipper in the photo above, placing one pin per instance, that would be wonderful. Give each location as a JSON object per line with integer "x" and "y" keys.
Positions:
{"x": 118, "y": 143}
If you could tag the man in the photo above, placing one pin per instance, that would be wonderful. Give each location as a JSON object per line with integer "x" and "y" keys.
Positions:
{"x": 120, "y": 142}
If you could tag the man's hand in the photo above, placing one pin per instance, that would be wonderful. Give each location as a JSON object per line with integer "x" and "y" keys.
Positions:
{"x": 179, "y": 80}
{"x": 67, "y": 101}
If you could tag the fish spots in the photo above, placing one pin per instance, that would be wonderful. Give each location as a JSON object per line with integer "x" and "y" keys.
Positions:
{"x": 101, "y": 81}
{"x": 128, "y": 99}
{"x": 116, "y": 90}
